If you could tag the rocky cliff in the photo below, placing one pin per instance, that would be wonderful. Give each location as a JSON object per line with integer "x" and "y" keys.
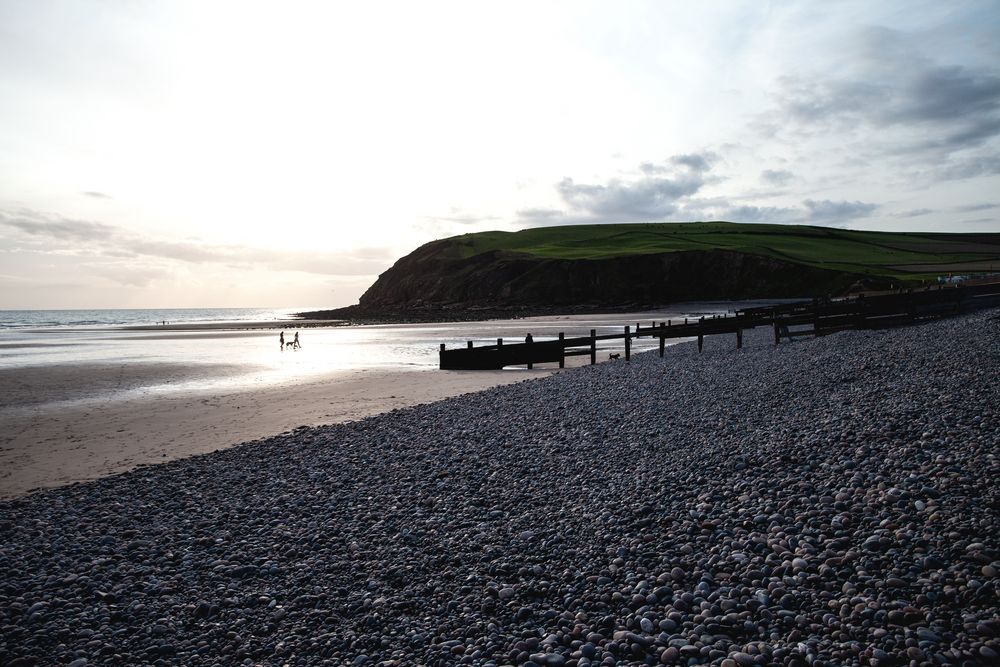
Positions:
{"x": 436, "y": 279}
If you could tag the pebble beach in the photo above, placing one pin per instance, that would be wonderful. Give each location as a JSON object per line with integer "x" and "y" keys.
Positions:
{"x": 831, "y": 501}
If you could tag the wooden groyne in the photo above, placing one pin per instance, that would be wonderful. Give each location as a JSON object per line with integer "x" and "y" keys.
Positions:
{"x": 802, "y": 318}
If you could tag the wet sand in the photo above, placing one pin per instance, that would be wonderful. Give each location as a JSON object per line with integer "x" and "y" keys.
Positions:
{"x": 75, "y": 422}
{"x": 236, "y": 326}
{"x": 79, "y": 420}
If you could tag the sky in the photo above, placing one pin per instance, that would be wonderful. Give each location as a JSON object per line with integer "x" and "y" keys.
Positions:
{"x": 262, "y": 154}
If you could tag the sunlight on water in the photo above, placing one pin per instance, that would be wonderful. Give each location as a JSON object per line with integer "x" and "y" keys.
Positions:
{"x": 253, "y": 358}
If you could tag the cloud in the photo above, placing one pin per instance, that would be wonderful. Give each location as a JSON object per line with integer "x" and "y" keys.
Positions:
{"x": 986, "y": 206}
{"x": 914, "y": 213}
{"x": 360, "y": 262}
{"x": 541, "y": 216}
{"x": 655, "y": 194}
{"x": 669, "y": 189}
{"x": 749, "y": 213}
{"x": 697, "y": 162}
{"x": 456, "y": 221}
{"x": 182, "y": 251}
{"x": 626, "y": 201}
{"x": 97, "y": 195}
{"x": 962, "y": 102}
{"x": 460, "y": 217}
{"x": 128, "y": 276}
{"x": 972, "y": 167}
{"x": 63, "y": 235}
{"x": 827, "y": 211}
{"x": 900, "y": 103}
{"x": 777, "y": 177}
{"x": 942, "y": 93}
{"x": 63, "y": 229}
{"x": 823, "y": 212}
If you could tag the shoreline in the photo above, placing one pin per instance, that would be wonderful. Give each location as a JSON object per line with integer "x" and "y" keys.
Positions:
{"x": 357, "y": 315}
{"x": 62, "y": 435}
{"x": 265, "y": 325}
{"x": 828, "y": 501}
{"x": 154, "y": 393}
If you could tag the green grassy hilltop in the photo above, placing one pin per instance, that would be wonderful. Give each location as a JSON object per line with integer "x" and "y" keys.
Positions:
{"x": 902, "y": 256}
{"x": 591, "y": 268}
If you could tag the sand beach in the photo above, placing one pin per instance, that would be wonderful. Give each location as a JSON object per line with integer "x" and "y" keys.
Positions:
{"x": 81, "y": 420}
{"x": 45, "y": 443}
{"x": 829, "y": 501}
{"x": 85, "y": 404}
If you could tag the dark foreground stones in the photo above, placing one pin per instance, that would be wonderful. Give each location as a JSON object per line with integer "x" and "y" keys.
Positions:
{"x": 827, "y": 502}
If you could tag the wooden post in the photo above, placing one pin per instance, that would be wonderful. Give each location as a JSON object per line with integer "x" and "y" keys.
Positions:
{"x": 701, "y": 339}
{"x": 628, "y": 343}
{"x": 777, "y": 337}
{"x": 442, "y": 347}
{"x": 739, "y": 338}
{"x": 470, "y": 345}
{"x": 663, "y": 338}
{"x": 562, "y": 350}
{"x": 593, "y": 346}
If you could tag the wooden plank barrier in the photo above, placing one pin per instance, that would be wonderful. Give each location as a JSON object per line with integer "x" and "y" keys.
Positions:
{"x": 789, "y": 321}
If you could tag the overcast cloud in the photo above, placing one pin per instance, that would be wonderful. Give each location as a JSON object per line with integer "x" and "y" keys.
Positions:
{"x": 669, "y": 190}
{"x": 155, "y": 153}
{"x": 898, "y": 100}
{"x": 49, "y": 235}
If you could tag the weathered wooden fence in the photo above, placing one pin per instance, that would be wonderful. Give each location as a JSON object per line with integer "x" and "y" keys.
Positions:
{"x": 802, "y": 318}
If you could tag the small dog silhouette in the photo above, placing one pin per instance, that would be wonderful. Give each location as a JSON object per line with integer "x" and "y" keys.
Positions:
{"x": 614, "y": 356}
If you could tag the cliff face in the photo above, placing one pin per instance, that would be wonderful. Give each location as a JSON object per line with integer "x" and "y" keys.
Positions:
{"x": 433, "y": 277}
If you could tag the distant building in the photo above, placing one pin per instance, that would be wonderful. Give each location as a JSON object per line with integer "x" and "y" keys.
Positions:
{"x": 951, "y": 279}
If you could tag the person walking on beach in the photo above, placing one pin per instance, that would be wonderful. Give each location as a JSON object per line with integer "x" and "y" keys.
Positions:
{"x": 295, "y": 343}
{"x": 281, "y": 341}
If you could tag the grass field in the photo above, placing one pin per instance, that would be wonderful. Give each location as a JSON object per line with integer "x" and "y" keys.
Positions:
{"x": 908, "y": 257}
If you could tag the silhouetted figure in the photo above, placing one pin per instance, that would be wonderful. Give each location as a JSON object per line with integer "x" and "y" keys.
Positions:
{"x": 281, "y": 341}
{"x": 295, "y": 343}
{"x": 528, "y": 338}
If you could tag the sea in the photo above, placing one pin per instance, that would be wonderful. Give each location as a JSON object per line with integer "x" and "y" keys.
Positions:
{"x": 230, "y": 348}
{"x": 34, "y": 319}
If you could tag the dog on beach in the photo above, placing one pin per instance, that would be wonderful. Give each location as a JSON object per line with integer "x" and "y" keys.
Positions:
{"x": 614, "y": 355}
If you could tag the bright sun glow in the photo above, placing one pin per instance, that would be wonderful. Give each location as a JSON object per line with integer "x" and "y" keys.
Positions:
{"x": 234, "y": 153}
